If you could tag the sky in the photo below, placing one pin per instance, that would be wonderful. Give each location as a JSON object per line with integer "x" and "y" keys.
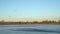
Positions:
{"x": 29, "y": 10}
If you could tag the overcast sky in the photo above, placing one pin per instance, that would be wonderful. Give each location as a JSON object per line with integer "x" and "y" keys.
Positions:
{"x": 29, "y": 10}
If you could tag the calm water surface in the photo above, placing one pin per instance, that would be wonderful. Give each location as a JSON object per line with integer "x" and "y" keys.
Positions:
{"x": 30, "y": 29}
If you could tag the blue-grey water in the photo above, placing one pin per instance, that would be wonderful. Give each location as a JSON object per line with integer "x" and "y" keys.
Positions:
{"x": 30, "y": 29}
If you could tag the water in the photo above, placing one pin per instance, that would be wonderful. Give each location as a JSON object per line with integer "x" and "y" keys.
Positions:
{"x": 30, "y": 29}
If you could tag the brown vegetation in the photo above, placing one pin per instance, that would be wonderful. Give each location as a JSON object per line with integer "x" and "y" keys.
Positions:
{"x": 34, "y": 22}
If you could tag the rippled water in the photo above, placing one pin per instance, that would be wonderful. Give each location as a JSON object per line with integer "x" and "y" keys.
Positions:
{"x": 30, "y": 29}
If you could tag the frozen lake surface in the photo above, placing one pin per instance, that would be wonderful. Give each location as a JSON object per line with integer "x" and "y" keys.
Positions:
{"x": 30, "y": 29}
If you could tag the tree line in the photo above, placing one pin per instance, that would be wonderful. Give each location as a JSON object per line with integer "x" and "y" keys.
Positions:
{"x": 33, "y": 22}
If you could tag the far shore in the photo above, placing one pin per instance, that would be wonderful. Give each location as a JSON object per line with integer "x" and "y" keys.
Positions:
{"x": 33, "y": 22}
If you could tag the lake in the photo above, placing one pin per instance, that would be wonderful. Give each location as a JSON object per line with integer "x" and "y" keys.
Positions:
{"x": 30, "y": 29}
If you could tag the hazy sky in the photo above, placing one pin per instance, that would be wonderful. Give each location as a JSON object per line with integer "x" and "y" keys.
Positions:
{"x": 29, "y": 10}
